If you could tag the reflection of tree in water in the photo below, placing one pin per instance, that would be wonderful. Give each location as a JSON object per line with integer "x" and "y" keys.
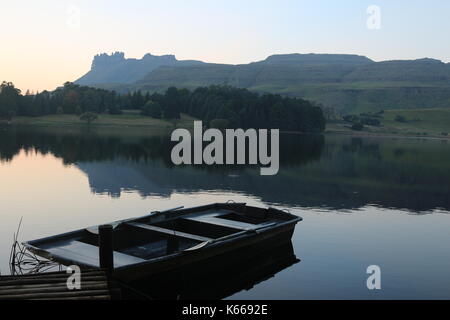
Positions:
{"x": 85, "y": 147}
{"x": 343, "y": 173}
{"x": 369, "y": 149}
{"x": 72, "y": 148}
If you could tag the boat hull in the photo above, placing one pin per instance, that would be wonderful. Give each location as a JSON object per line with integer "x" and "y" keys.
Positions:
{"x": 220, "y": 276}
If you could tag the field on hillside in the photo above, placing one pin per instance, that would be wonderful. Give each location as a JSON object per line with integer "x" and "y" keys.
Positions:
{"x": 435, "y": 121}
{"x": 417, "y": 122}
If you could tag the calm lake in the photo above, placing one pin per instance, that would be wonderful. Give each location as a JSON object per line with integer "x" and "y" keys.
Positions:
{"x": 364, "y": 201}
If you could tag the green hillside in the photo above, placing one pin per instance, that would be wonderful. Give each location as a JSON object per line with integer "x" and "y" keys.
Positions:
{"x": 348, "y": 83}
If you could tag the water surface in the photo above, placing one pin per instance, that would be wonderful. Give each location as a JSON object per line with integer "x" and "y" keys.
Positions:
{"x": 364, "y": 201}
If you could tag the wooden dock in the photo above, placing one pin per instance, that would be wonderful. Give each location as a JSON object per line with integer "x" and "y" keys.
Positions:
{"x": 53, "y": 286}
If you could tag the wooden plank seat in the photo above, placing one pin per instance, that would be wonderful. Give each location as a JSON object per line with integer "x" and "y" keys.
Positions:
{"x": 222, "y": 222}
{"x": 214, "y": 218}
{"x": 88, "y": 254}
{"x": 168, "y": 231}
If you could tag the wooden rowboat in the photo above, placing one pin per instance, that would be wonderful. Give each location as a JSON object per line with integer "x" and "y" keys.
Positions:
{"x": 168, "y": 240}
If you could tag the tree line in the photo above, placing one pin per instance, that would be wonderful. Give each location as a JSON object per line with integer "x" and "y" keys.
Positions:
{"x": 216, "y": 106}
{"x": 230, "y": 107}
{"x": 68, "y": 99}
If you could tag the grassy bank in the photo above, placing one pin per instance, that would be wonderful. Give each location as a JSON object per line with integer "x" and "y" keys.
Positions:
{"x": 128, "y": 119}
{"x": 417, "y": 122}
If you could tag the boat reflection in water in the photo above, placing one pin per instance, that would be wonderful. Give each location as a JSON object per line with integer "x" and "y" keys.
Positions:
{"x": 219, "y": 277}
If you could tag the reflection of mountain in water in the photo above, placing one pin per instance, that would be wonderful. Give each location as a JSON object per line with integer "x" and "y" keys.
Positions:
{"x": 336, "y": 172}
{"x": 114, "y": 177}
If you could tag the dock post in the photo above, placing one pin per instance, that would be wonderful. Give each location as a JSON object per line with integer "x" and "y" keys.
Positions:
{"x": 105, "y": 245}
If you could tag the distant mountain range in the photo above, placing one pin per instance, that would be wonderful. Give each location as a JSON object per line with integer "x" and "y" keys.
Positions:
{"x": 349, "y": 83}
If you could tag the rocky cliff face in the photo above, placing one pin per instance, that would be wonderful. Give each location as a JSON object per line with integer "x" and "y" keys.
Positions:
{"x": 105, "y": 60}
{"x": 115, "y": 68}
{"x": 317, "y": 59}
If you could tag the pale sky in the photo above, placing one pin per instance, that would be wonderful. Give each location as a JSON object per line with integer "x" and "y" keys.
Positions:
{"x": 45, "y": 43}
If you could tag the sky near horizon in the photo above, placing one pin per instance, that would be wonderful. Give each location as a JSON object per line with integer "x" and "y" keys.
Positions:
{"x": 45, "y": 43}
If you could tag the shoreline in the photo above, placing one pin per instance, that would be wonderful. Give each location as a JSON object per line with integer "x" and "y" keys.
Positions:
{"x": 141, "y": 123}
{"x": 384, "y": 135}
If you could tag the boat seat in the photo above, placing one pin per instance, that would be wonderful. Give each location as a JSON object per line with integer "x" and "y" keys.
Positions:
{"x": 212, "y": 219}
{"x": 88, "y": 254}
{"x": 168, "y": 231}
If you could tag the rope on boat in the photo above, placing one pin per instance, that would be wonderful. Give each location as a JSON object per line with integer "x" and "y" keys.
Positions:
{"x": 23, "y": 261}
